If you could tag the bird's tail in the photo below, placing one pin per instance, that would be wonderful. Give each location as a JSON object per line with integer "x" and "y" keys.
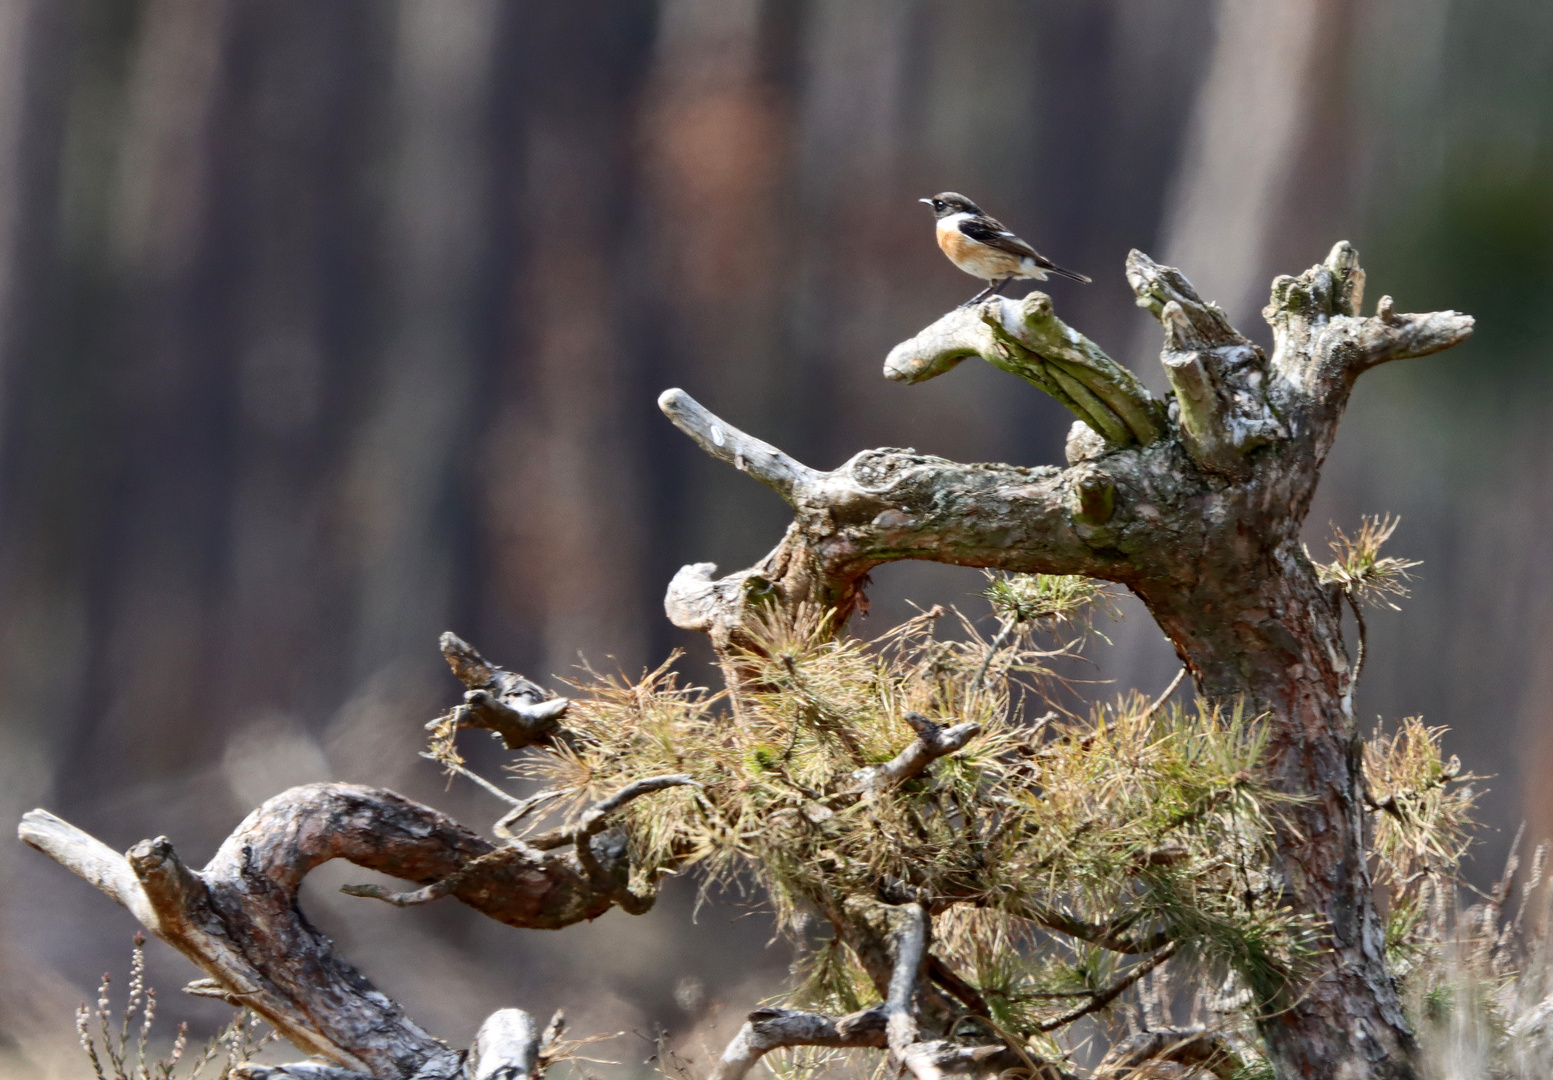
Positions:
{"x": 1063, "y": 271}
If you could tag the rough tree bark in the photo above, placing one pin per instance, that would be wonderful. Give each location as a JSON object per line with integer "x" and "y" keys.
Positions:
{"x": 1196, "y": 506}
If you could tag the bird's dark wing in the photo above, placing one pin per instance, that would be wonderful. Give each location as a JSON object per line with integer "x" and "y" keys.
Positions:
{"x": 990, "y": 231}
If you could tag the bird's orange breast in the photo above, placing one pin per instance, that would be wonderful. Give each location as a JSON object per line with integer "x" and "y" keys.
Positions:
{"x": 974, "y": 258}
{"x": 951, "y": 242}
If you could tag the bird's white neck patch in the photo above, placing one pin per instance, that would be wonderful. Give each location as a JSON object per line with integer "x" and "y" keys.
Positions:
{"x": 945, "y": 224}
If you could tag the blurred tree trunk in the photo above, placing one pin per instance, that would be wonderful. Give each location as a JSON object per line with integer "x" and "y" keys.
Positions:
{"x": 1273, "y": 67}
{"x": 718, "y": 265}
{"x": 563, "y": 489}
{"x": 410, "y": 449}
{"x": 163, "y": 506}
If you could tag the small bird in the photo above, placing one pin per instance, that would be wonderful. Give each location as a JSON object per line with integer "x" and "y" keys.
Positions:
{"x": 983, "y": 248}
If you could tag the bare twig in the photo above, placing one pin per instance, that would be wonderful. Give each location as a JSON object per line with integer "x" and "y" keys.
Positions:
{"x": 1102, "y": 998}
{"x": 470, "y": 774}
{"x": 521, "y": 809}
{"x": 1358, "y": 614}
{"x": 932, "y": 742}
{"x": 771, "y": 1028}
{"x": 594, "y": 819}
{"x": 997, "y": 642}
{"x": 1159, "y": 702}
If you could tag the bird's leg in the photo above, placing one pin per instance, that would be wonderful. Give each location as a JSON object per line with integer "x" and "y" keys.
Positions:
{"x": 997, "y": 287}
{"x": 979, "y": 297}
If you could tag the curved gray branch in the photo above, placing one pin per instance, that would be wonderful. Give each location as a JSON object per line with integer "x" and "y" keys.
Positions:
{"x": 727, "y": 443}
{"x": 900, "y": 1006}
{"x": 772, "y": 1029}
{"x": 891, "y": 504}
{"x": 939, "y": 347}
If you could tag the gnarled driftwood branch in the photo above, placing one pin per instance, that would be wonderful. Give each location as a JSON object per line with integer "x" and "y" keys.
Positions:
{"x": 238, "y": 920}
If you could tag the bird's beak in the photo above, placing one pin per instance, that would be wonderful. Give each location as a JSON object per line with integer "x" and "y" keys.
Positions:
{"x": 928, "y": 201}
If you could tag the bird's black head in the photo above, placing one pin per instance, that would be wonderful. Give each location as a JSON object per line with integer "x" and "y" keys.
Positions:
{"x": 950, "y": 202}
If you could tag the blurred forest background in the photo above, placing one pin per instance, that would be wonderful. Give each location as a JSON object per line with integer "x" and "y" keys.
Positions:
{"x": 325, "y": 327}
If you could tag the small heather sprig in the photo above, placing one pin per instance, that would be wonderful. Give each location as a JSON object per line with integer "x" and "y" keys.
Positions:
{"x": 237, "y": 1039}
{"x": 83, "y": 1019}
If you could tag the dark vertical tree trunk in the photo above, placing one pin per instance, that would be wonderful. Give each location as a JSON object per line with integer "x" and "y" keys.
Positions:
{"x": 1258, "y": 631}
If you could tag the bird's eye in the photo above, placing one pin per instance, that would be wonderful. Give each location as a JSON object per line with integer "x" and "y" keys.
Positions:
{"x": 938, "y": 204}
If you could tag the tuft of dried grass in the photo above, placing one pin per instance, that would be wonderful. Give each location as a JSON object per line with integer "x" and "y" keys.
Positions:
{"x": 1477, "y": 978}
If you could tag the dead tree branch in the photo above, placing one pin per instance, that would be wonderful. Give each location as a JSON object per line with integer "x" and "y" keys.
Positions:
{"x": 932, "y": 742}
{"x": 501, "y": 701}
{"x": 900, "y": 1008}
{"x": 931, "y": 1058}
{"x": 1025, "y": 338}
{"x": 1102, "y": 998}
{"x": 237, "y": 919}
{"x": 771, "y": 1029}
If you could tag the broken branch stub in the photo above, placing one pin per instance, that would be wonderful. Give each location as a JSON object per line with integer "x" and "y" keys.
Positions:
{"x": 522, "y": 713}
{"x": 1322, "y": 343}
{"x": 1219, "y": 377}
{"x": 933, "y": 741}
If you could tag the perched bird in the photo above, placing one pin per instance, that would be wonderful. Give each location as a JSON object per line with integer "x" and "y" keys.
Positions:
{"x": 983, "y": 248}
